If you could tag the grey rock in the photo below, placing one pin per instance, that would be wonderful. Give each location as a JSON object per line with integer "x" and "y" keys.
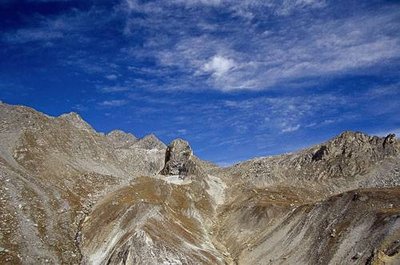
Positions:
{"x": 357, "y": 256}
{"x": 151, "y": 142}
{"x": 179, "y": 159}
{"x": 76, "y": 120}
{"x": 121, "y": 139}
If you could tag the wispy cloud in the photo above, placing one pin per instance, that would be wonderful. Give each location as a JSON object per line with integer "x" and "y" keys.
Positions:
{"x": 260, "y": 45}
{"x": 35, "y": 34}
{"x": 326, "y": 48}
{"x": 80, "y": 107}
{"x": 47, "y": 29}
{"x": 114, "y": 89}
{"x": 290, "y": 128}
{"x": 246, "y": 8}
{"x": 286, "y": 114}
{"x": 287, "y": 49}
{"x": 113, "y": 103}
{"x": 219, "y": 66}
{"x": 112, "y": 77}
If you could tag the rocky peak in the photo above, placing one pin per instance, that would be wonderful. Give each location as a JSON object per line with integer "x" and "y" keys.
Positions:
{"x": 121, "y": 138}
{"x": 73, "y": 116}
{"x": 151, "y": 142}
{"x": 179, "y": 159}
{"x": 351, "y": 144}
{"x": 348, "y": 138}
{"x": 76, "y": 120}
{"x": 179, "y": 150}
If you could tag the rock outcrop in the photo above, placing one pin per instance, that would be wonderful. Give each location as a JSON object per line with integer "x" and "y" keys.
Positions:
{"x": 350, "y": 160}
{"x": 179, "y": 160}
{"x": 356, "y": 145}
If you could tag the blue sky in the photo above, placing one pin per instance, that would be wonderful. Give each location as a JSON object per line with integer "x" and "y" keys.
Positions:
{"x": 238, "y": 79}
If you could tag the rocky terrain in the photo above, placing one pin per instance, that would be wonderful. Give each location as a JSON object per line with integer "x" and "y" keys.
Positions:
{"x": 71, "y": 195}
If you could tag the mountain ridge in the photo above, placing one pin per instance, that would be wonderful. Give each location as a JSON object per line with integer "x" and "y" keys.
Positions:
{"x": 71, "y": 195}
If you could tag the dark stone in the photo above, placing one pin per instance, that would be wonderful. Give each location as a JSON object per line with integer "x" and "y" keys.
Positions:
{"x": 320, "y": 153}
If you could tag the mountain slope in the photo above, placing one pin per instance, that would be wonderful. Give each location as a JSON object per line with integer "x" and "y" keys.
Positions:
{"x": 70, "y": 195}
{"x": 52, "y": 170}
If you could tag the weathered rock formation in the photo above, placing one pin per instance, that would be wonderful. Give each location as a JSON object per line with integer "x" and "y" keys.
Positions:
{"x": 70, "y": 195}
{"x": 179, "y": 160}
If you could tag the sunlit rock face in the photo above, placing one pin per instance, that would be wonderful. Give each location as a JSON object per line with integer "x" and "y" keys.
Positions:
{"x": 70, "y": 195}
{"x": 179, "y": 160}
{"x": 177, "y": 157}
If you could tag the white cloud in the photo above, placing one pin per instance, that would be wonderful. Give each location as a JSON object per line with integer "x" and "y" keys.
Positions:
{"x": 287, "y": 7}
{"x": 80, "y": 107}
{"x": 111, "y": 77}
{"x": 246, "y": 7}
{"x": 34, "y": 34}
{"x": 49, "y": 29}
{"x": 113, "y": 89}
{"x": 293, "y": 51}
{"x": 182, "y": 131}
{"x": 198, "y": 2}
{"x": 193, "y": 50}
{"x": 219, "y": 65}
{"x": 113, "y": 103}
{"x": 285, "y": 114}
{"x": 291, "y": 128}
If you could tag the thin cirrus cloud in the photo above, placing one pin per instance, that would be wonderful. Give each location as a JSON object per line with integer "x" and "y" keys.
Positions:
{"x": 113, "y": 103}
{"x": 45, "y": 29}
{"x": 329, "y": 49}
{"x": 291, "y": 128}
{"x": 285, "y": 114}
{"x": 261, "y": 45}
{"x": 114, "y": 89}
{"x": 257, "y": 59}
{"x": 30, "y": 35}
{"x": 111, "y": 77}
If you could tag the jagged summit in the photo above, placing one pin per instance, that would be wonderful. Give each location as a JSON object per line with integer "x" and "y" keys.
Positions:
{"x": 342, "y": 161}
{"x": 357, "y": 144}
{"x": 71, "y": 115}
{"x": 151, "y": 142}
{"x": 76, "y": 120}
{"x": 119, "y": 134}
{"x": 360, "y": 137}
{"x": 121, "y": 138}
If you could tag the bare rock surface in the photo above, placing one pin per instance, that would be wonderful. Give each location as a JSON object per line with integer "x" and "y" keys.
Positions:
{"x": 151, "y": 142}
{"x": 122, "y": 139}
{"x": 179, "y": 160}
{"x": 70, "y": 195}
{"x": 348, "y": 161}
